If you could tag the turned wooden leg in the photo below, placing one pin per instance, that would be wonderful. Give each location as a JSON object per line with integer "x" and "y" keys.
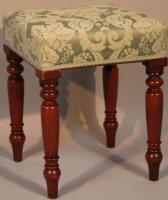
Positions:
{"x": 154, "y": 110}
{"x": 16, "y": 101}
{"x": 50, "y": 129}
{"x": 110, "y": 82}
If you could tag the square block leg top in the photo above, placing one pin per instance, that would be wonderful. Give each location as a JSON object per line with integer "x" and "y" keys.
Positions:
{"x": 98, "y": 35}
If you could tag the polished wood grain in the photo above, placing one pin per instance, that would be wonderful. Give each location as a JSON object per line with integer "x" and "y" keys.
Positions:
{"x": 110, "y": 83}
{"x": 50, "y": 129}
{"x": 154, "y": 112}
{"x": 16, "y": 101}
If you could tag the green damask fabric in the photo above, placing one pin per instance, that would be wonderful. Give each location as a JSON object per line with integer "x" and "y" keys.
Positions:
{"x": 90, "y": 35}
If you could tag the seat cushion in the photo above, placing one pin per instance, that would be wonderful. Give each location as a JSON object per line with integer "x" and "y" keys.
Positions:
{"x": 85, "y": 36}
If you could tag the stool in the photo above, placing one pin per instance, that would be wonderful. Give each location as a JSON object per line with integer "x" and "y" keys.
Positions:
{"x": 97, "y": 35}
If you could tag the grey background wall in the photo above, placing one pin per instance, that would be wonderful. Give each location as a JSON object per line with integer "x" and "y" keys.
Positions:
{"x": 81, "y": 94}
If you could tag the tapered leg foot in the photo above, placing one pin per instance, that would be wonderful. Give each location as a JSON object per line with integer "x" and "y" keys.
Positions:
{"x": 110, "y": 83}
{"x": 52, "y": 179}
{"x": 50, "y": 128}
{"x": 17, "y": 143}
{"x": 16, "y": 101}
{"x": 154, "y": 111}
{"x": 154, "y": 164}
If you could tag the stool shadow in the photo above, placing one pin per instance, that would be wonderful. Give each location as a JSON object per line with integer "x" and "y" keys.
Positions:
{"x": 92, "y": 137}
{"x": 99, "y": 169}
{"x": 84, "y": 104}
{"x": 5, "y": 153}
{"x": 34, "y": 149}
{"x": 22, "y": 182}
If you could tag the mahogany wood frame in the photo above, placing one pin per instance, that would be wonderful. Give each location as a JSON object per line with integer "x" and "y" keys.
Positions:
{"x": 50, "y": 129}
{"x": 16, "y": 101}
{"x": 50, "y": 113}
{"x": 110, "y": 83}
{"x": 154, "y": 113}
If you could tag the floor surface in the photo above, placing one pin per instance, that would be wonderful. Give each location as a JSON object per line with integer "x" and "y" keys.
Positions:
{"x": 89, "y": 169}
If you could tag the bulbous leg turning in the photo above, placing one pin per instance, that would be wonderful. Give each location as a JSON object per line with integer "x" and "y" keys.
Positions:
{"x": 16, "y": 101}
{"x": 50, "y": 129}
{"x": 154, "y": 112}
{"x": 110, "y": 83}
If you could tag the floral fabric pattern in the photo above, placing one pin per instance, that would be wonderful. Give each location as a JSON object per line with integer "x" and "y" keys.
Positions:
{"x": 90, "y": 35}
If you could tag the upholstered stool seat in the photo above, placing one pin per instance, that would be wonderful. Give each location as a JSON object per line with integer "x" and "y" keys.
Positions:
{"x": 58, "y": 39}
{"x": 90, "y": 35}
